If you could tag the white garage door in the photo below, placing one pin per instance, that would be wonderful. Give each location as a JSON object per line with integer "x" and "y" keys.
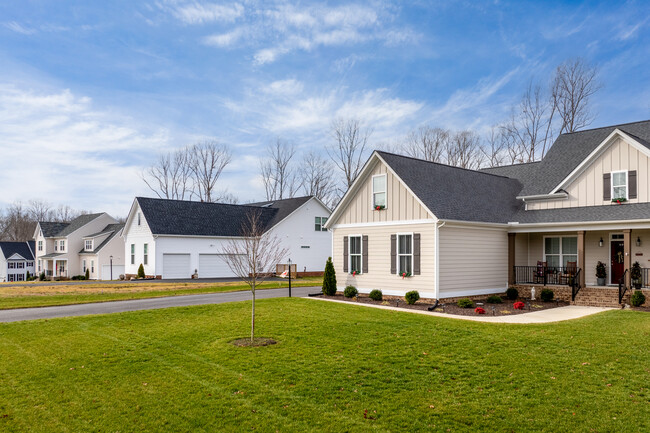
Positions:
{"x": 106, "y": 272}
{"x": 213, "y": 266}
{"x": 176, "y": 266}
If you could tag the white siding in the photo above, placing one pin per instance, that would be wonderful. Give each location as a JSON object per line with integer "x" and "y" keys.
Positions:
{"x": 139, "y": 235}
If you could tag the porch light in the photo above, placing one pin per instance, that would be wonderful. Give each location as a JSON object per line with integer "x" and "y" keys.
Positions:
{"x": 638, "y": 241}
{"x": 600, "y": 242}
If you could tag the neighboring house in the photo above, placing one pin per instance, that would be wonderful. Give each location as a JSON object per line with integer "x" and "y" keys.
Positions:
{"x": 175, "y": 239}
{"x": 16, "y": 260}
{"x": 64, "y": 250}
{"x": 461, "y": 232}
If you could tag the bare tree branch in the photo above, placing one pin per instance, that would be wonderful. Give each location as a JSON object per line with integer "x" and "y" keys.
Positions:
{"x": 427, "y": 143}
{"x": 207, "y": 161}
{"x": 316, "y": 177}
{"x": 463, "y": 150}
{"x": 575, "y": 81}
{"x": 494, "y": 148}
{"x": 170, "y": 176}
{"x": 349, "y": 150}
{"x": 278, "y": 174}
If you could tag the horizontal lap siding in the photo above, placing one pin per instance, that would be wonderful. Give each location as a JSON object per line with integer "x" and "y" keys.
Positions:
{"x": 472, "y": 259}
{"x": 379, "y": 276}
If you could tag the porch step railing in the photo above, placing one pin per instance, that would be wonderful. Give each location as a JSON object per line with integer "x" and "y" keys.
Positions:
{"x": 645, "y": 273}
{"x": 622, "y": 287}
{"x": 546, "y": 275}
{"x": 575, "y": 287}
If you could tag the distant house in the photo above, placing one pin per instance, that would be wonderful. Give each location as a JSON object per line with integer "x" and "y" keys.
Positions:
{"x": 90, "y": 242}
{"x": 450, "y": 232}
{"x": 174, "y": 238}
{"x": 16, "y": 260}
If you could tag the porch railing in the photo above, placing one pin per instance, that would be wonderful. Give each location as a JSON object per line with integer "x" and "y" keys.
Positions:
{"x": 547, "y": 275}
{"x": 622, "y": 287}
{"x": 575, "y": 286}
{"x": 645, "y": 273}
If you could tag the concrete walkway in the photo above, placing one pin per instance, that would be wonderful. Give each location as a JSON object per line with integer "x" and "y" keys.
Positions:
{"x": 544, "y": 316}
{"x": 21, "y": 314}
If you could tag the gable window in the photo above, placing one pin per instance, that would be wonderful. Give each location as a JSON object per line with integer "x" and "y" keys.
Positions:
{"x": 355, "y": 254}
{"x": 405, "y": 253}
{"x": 89, "y": 245}
{"x": 619, "y": 185}
{"x": 62, "y": 245}
{"x": 146, "y": 254}
{"x": 40, "y": 245}
{"x": 558, "y": 251}
{"x": 133, "y": 254}
{"x": 139, "y": 218}
{"x": 320, "y": 223}
{"x": 379, "y": 191}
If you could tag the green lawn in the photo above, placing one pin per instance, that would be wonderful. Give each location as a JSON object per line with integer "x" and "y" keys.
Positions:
{"x": 39, "y": 296}
{"x": 174, "y": 370}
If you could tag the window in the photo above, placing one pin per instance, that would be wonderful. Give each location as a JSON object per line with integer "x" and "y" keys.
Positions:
{"x": 405, "y": 253}
{"x": 84, "y": 266}
{"x": 619, "y": 185}
{"x": 146, "y": 254}
{"x": 320, "y": 223}
{"x": 20, "y": 265}
{"x": 39, "y": 266}
{"x": 62, "y": 245}
{"x": 379, "y": 191}
{"x": 92, "y": 266}
{"x": 11, "y": 265}
{"x": 40, "y": 245}
{"x": 133, "y": 254}
{"x": 89, "y": 245}
{"x": 139, "y": 218}
{"x": 558, "y": 251}
{"x": 30, "y": 264}
{"x": 355, "y": 254}
{"x": 56, "y": 246}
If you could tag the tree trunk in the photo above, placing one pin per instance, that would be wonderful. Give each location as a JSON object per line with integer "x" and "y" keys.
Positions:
{"x": 253, "y": 319}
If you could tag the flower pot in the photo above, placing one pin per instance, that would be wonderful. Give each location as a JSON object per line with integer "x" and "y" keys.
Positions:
{"x": 600, "y": 281}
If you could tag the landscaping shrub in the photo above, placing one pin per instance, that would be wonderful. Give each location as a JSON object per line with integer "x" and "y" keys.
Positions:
{"x": 87, "y": 274}
{"x": 329, "y": 278}
{"x": 518, "y": 305}
{"x": 376, "y": 295}
{"x": 547, "y": 295}
{"x": 512, "y": 293}
{"x": 479, "y": 310}
{"x": 42, "y": 276}
{"x": 27, "y": 277}
{"x": 637, "y": 299}
{"x": 494, "y": 299}
{"x": 465, "y": 303}
{"x": 141, "y": 271}
{"x": 350, "y": 292}
{"x": 412, "y": 297}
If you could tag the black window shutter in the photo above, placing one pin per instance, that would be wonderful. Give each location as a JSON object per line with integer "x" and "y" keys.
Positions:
{"x": 607, "y": 186}
{"x": 631, "y": 184}
{"x": 393, "y": 254}
{"x": 364, "y": 257}
{"x": 345, "y": 254}
{"x": 416, "y": 253}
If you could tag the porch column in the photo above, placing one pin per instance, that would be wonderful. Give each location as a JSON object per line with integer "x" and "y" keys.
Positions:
{"x": 627, "y": 247}
{"x": 511, "y": 258}
{"x": 581, "y": 256}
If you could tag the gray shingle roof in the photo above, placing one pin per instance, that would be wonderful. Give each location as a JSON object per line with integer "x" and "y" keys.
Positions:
{"x": 51, "y": 229}
{"x": 55, "y": 229}
{"x": 21, "y": 248}
{"x": 113, "y": 229}
{"x": 192, "y": 218}
{"x": 453, "y": 193}
{"x": 524, "y": 173}
{"x": 626, "y": 211}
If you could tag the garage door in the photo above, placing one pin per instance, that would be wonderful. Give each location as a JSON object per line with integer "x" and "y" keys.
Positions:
{"x": 106, "y": 272}
{"x": 213, "y": 266}
{"x": 176, "y": 266}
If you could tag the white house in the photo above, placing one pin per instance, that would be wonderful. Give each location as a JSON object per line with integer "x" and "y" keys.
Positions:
{"x": 16, "y": 260}
{"x": 175, "y": 238}
{"x": 89, "y": 242}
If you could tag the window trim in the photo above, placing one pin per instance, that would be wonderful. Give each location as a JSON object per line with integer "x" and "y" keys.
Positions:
{"x": 385, "y": 191}
{"x": 399, "y": 271}
{"x": 40, "y": 245}
{"x": 86, "y": 245}
{"x": 561, "y": 253}
{"x": 146, "y": 254}
{"x": 627, "y": 184}
{"x": 360, "y": 236}
{"x": 62, "y": 245}
{"x": 133, "y": 254}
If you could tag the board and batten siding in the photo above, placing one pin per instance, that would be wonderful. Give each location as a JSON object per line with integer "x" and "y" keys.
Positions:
{"x": 140, "y": 235}
{"x": 587, "y": 189}
{"x": 401, "y": 205}
{"x": 473, "y": 260}
{"x": 379, "y": 275}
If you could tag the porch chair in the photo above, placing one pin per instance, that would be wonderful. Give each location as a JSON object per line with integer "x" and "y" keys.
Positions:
{"x": 569, "y": 272}
{"x": 538, "y": 276}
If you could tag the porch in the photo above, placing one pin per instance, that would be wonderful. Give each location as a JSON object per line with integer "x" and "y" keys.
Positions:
{"x": 54, "y": 267}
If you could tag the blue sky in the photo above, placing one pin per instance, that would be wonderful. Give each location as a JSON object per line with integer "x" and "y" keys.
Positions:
{"x": 90, "y": 92}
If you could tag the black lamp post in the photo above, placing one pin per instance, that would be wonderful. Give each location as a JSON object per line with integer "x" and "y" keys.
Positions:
{"x": 111, "y": 268}
{"x": 289, "y": 277}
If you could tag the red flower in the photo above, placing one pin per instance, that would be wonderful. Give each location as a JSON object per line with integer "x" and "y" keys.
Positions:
{"x": 519, "y": 305}
{"x": 479, "y": 310}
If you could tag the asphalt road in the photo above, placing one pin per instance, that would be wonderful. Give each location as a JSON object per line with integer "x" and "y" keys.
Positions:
{"x": 21, "y": 314}
{"x": 116, "y": 282}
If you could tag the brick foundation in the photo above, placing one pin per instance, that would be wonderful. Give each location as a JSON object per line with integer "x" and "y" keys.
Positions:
{"x": 587, "y": 296}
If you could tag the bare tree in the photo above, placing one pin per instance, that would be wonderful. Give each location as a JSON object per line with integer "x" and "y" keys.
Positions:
{"x": 575, "y": 81}
{"x": 349, "y": 150}
{"x": 39, "y": 210}
{"x": 464, "y": 150}
{"x": 171, "y": 175}
{"x": 17, "y": 226}
{"x": 316, "y": 177}
{"x": 494, "y": 148}
{"x": 253, "y": 257}
{"x": 278, "y": 174}
{"x": 207, "y": 161}
{"x": 427, "y": 143}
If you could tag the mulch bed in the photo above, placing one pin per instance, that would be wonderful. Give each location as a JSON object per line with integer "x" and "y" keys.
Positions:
{"x": 504, "y": 309}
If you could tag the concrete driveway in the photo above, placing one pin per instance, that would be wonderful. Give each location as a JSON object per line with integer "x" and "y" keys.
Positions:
{"x": 147, "y": 304}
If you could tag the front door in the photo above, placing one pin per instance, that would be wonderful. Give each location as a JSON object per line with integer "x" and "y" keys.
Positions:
{"x": 618, "y": 261}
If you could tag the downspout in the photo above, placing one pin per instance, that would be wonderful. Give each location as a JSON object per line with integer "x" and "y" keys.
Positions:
{"x": 437, "y": 258}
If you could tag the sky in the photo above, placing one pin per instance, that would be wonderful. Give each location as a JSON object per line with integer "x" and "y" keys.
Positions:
{"x": 91, "y": 92}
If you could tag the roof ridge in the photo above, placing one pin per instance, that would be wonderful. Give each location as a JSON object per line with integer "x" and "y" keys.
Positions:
{"x": 511, "y": 165}
{"x": 605, "y": 127}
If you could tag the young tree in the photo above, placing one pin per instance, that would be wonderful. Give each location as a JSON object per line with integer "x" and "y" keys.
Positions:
{"x": 349, "y": 149}
{"x": 141, "y": 273}
{"x": 329, "y": 278}
{"x": 253, "y": 257}
{"x": 278, "y": 174}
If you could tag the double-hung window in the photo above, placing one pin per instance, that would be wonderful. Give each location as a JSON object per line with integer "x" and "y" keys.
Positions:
{"x": 11, "y": 265}
{"x": 89, "y": 245}
{"x": 62, "y": 246}
{"x": 405, "y": 253}
{"x": 558, "y": 251}
{"x": 379, "y": 191}
{"x": 84, "y": 266}
{"x": 355, "y": 254}
{"x": 133, "y": 254}
{"x": 319, "y": 224}
{"x": 146, "y": 254}
{"x": 40, "y": 245}
{"x": 92, "y": 266}
{"x": 619, "y": 185}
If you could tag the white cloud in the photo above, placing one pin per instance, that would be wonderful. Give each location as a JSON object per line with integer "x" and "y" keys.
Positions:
{"x": 19, "y": 28}
{"x": 201, "y": 13}
{"x": 225, "y": 39}
{"x": 284, "y": 87}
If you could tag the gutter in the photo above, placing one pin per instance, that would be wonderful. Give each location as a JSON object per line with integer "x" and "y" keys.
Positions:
{"x": 556, "y": 196}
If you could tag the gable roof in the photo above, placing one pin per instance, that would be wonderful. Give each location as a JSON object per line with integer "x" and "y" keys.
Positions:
{"x": 57, "y": 230}
{"x": 524, "y": 172}
{"x": 23, "y": 249}
{"x": 112, "y": 229}
{"x": 629, "y": 211}
{"x": 453, "y": 193}
{"x": 50, "y": 229}
{"x": 193, "y": 218}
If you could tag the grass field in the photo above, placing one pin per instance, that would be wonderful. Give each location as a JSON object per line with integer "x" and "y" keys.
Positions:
{"x": 175, "y": 370}
{"x": 31, "y": 295}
